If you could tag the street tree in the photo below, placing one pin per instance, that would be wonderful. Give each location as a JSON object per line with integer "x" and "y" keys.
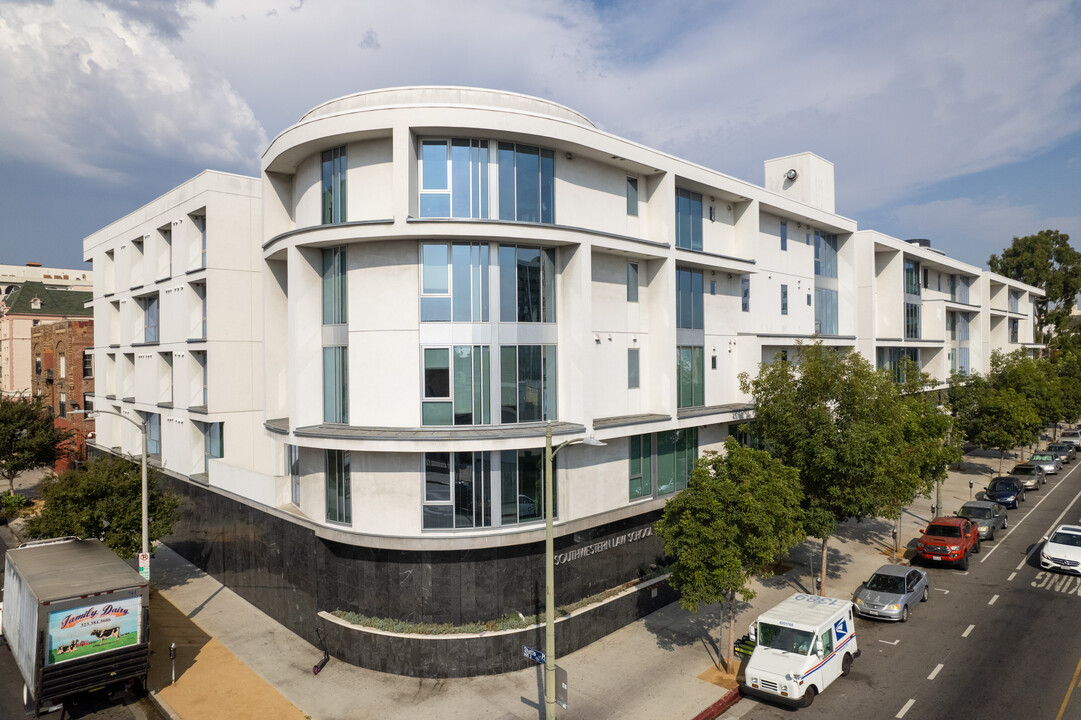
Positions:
{"x": 862, "y": 451}
{"x": 1067, "y": 366}
{"x": 1035, "y": 378}
{"x": 1002, "y": 419}
{"x": 104, "y": 501}
{"x": 29, "y": 438}
{"x": 737, "y": 518}
{"x": 1048, "y": 261}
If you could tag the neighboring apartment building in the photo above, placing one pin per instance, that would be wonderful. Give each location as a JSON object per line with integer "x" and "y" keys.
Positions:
{"x": 12, "y": 277}
{"x": 31, "y": 305}
{"x": 353, "y": 389}
{"x": 63, "y": 376}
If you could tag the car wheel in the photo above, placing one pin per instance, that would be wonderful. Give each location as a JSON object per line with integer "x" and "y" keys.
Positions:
{"x": 809, "y": 697}
{"x": 963, "y": 564}
{"x": 926, "y": 594}
{"x": 976, "y": 549}
{"x": 846, "y": 665}
{"x": 904, "y": 614}
{"x": 1021, "y": 497}
{"x": 991, "y": 535}
{"x": 1005, "y": 522}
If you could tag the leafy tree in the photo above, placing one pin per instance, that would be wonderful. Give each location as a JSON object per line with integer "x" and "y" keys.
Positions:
{"x": 738, "y": 516}
{"x": 1048, "y": 261}
{"x": 104, "y": 501}
{"x": 1003, "y": 419}
{"x": 931, "y": 443}
{"x": 1067, "y": 366}
{"x": 862, "y": 451}
{"x": 1034, "y": 378}
{"x": 28, "y": 437}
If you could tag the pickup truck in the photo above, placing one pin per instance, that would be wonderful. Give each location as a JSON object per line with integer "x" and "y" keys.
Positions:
{"x": 948, "y": 540}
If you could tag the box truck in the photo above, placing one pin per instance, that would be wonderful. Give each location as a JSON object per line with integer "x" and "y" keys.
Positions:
{"x": 76, "y": 617}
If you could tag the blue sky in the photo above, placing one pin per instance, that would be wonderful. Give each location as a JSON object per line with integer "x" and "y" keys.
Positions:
{"x": 959, "y": 121}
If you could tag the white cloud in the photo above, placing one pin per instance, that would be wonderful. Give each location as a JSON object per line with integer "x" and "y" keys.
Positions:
{"x": 89, "y": 90}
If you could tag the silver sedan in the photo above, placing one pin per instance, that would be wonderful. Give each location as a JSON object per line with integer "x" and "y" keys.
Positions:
{"x": 890, "y": 592}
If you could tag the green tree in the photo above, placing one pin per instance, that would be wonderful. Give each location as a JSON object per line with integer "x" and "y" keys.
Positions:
{"x": 1048, "y": 261}
{"x": 738, "y": 516}
{"x": 1035, "y": 378}
{"x": 104, "y": 501}
{"x": 1002, "y": 420}
{"x": 862, "y": 451}
{"x": 1067, "y": 365}
{"x": 29, "y": 438}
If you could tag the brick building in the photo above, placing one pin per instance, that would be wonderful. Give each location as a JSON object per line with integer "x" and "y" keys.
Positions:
{"x": 62, "y": 373}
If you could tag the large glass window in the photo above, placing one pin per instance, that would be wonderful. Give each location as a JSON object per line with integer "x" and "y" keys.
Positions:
{"x": 454, "y": 178}
{"x": 784, "y": 235}
{"x": 335, "y": 299}
{"x": 213, "y": 443}
{"x": 336, "y": 384}
{"x": 527, "y": 383}
{"x": 784, "y": 299}
{"x": 526, "y": 284}
{"x": 690, "y": 389}
{"x": 632, "y": 282}
{"x": 912, "y": 321}
{"x": 460, "y": 394}
{"x": 457, "y": 490}
{"x": 1015, "y": 301}
{"x": 641, "y": 474}
{"x": 454, "y": 285}
{"x": 689, "y": 308}
{"x": 890, "y": 359}
{"x": 677, "y": 451}
{"x": 526, "y": 183}
{"x": 825, "y": 311}
{"x": 825, "y": 254}
{"x": 1015, "y": 327}
{"x": 632, "y": 368}
{"x": 150, "y": 319}
{"x": 912, "y": 277}
{"x": 153, "y": 434}
{"x": 688, "y": 219}
{"x": 521, "y": 480}
{"x": 334, "y": 170}
{"x": 338, "y": 487}
{"x": 632, "y": 196}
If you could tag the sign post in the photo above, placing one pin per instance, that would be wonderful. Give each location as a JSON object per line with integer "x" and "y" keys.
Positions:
{"x": 144, "y": 566}
{"x": 561, "y": 687}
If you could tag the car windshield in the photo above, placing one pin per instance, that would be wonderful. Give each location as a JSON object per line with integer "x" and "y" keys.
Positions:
{"x": 977, "y": 513}
{"x": 1023, "y": 470}
{"x": 1059, "y": 449}
{"x": 1044, "y": 457}
{"x": 785, "y": 638}
{"x": 944, "y": 530}
{"x": 1001, "y": 486}
{"x": 1066, "y": 538}
{"x": 886, "y": 583}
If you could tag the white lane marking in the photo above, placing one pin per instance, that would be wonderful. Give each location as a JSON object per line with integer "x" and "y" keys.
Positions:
{"x": 1011, "y": 577}
{"x": 963, "y": 573}
{"x": 905, "y": 708}
{"x": 935, "y": 671}
{"x": 1051, "y": 527}
{"x": 887, "y": 642}
{"x": 967, "y": 630}
{"x": 1043, "y": 496}
{"x": 992, "y": 600}
{"x": 947, "y": 592}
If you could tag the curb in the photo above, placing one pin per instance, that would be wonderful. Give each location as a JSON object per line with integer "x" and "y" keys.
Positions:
{"x": 729, "y": 699}
{"x": 162, "y": 706}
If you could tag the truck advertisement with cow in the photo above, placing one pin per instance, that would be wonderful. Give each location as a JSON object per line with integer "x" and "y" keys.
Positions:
{"x": 101, "y": 627}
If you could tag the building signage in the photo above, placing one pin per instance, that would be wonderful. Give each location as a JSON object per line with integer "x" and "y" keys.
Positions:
{"x": 601, "y": 546}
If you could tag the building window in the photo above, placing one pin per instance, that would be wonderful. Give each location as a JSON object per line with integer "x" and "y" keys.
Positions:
{"x": 632, "y": 368}
{"x": 527, "y": 383}
{"x": 88, "y": 364}
{"x": 461, "y": 398}
{"x": 689, "y": 301}
{"x": 526, "y": 183}
{"x": 454, "y": 178}
{"x": 632, "y": 196}
{"x": 784, "y": 235}
{"x": 153, "y": 434}
{"x": 641, "y": 474}
{"x": 825, "y": 311}
{"x": 745, "y": 292}
{"x": 334, "y": 171}
{"x": 690, "y": 388}
{"x": 37, "y": 365}
{"x": 1015, "y": 299}
{"x": 88, "y": 402}
{"x": 784, "y": 299}
{"x": 335, "y": 293}
{"x": 825, "y": 254}
{"x": 688, "y": 219}
{"x": 454, "y": 282}
{"x": 1015, "y": 326}
{"x": 63, "y": 404}
{"x": 677, "y": 452}
{"x": 521, "y": 486}
{"x": 527, "y": 281}
{"x": 890, "y": 359}
{"x": 336, "y": 384}
{"x": 912, "y": 321}
{"x": 63, "y": 366}
{"x": 150, "y": 319}
{"x": 912, "y": 277}
{"x": 926, "y": 279}
{"x": 457, "y": 490}
{"x": 292, "y": 458}
{"x": 632, "y": 282}
{"x": 338, "y": 484}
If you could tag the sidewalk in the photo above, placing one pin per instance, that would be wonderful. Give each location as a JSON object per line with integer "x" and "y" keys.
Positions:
{"x": 234, "y": 661}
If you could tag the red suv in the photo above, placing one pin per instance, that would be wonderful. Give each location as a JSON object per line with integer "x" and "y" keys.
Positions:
{"x": 948, "y": 540}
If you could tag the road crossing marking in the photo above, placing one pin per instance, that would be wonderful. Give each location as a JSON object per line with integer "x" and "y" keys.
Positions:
{"x": 967, "y": 630}
{"x": 908, "y": 705}
{"x": 935, "y": 671}
{"x": 992, "y": 600}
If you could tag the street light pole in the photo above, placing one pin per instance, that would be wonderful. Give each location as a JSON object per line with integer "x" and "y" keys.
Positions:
{"x": 550, "y": 568}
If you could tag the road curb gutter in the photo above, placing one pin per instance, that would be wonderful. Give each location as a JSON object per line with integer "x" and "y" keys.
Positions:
{"x": 713, "y": 711}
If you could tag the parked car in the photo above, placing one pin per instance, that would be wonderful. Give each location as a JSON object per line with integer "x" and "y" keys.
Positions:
{"x": 948, "y": 540}
{"x": 891, "y": 592}
{"x": 1065, "y": 451}
{"x": 988, "y": 516}
{"x": 1072, "y": 437}
{"x": 1006, "y": 491}
{"x": 1032, "y": 476}
{"x": 1048, "y": 461}
{"x": 1062, "y": 551}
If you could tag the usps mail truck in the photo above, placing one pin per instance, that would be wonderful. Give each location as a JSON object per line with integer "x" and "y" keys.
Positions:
{"x": 801, "y": 646}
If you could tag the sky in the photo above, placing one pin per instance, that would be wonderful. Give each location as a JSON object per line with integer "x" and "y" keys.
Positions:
{"x": 955, "y": 121}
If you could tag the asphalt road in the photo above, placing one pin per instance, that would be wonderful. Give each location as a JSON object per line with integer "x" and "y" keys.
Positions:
{"x": 1002, "y": 640}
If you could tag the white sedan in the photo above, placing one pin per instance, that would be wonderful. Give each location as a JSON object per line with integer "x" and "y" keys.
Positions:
{"x": 1062, "y": 551}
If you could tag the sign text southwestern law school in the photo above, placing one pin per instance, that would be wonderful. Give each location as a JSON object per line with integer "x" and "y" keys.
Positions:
{"x": 599, "y": 547}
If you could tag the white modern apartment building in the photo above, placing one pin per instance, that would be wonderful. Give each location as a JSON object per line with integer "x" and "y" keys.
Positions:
{"x": 349, "y": 364}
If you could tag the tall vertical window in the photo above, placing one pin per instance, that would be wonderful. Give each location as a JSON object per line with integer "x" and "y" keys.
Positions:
{"x": 1015, "y": 300}
{"x": 912, "y": 321}
{"x": 632, "y": 282}
{"x": 527, "y": 383}
{"x": 334, "y": 167}
{"x": 63, "y": 366}
{"x": 962, "y": 327}
{"x": 527, "y": 282}
{"x": 457, "y": 490}
{"x": 521, "y": 480}
{"x": 825, "y": 311}
{"x": 339, "y": 487}
{"x": 37, "y": 365}
{"x": 825, "y": 254}
{"x": 336, "y": 384}
{"x": 335, "y": 300}
{"x": 784, "y": 235}
{"x": 460, "y": 394}
{"x": 962, "y": 289}
{"x": 454, "y": 282}
{"x": 213, "y": 443}
{"x": 632, "y": 368}
{"x": 153, "y": 434}
{"x": 150, "y": 319}
{"x": 88, "y": 364}
{"x": 912, "y": 277}
{"x": 292, "y": 459}
{"x": 688, "y": 219}
{"x": 63, "y": 412}
{"x": 689, "y": 300}
{"x": 926, "y": 279}
{"x": 784, "y": 299}
{"x": 641, "y": 473}
{"x": 745, "y": 292}
{"x": 526, "y": 183}
{"x": 632, "y": 196}
{"x": 690, "y": 387}
{"x": 1015, "y": 326}
{"x": 454, "y": 178}
{"x": 677, "y": 451}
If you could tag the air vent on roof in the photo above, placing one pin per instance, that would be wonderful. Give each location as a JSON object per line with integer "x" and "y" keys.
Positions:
{"x": 921, "y": 242}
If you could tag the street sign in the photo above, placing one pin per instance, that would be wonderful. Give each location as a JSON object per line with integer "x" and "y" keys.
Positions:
{"x": 561, "y": 687}
{"x": 144, "y": 565}
{"x": 531, "y": 654}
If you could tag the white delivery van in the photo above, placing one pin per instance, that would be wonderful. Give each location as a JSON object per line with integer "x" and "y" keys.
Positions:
{"x": 801, "y": 646}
